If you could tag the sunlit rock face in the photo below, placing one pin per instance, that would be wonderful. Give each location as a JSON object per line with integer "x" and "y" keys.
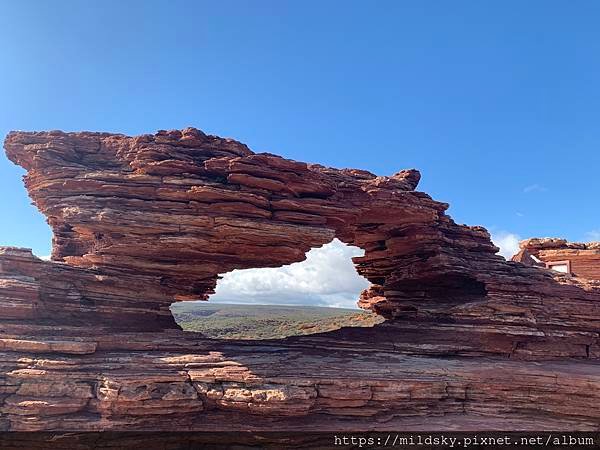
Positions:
{"x": 139, "y": 222}
{"x": 182, "y": 207}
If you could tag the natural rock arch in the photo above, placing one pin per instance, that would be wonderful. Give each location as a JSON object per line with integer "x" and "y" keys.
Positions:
{"x": 178, "y": 208}
{"x": 89, "y": 342}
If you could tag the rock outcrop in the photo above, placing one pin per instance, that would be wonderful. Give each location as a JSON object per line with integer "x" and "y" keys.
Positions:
{"x": 140, "y": 222}
{"x": 581, "y": 259}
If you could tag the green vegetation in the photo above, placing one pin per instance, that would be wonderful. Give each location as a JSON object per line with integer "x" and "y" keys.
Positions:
{"x": 265, "y": 321}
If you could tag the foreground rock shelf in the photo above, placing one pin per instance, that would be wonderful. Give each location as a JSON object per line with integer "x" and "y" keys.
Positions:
{"x": 88, "y": 342}
{"x": 203, "y": 384}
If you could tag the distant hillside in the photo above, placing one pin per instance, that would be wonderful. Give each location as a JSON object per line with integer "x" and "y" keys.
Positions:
{"x": 265, "y": 321}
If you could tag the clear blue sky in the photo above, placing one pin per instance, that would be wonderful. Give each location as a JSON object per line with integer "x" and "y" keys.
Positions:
{"x": 497, "y": 103}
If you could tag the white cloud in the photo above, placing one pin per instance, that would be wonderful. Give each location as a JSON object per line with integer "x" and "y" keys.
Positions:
{"x": 508, "y": 243}
{"x": 327, "y": 278}
{"x": 534, "y": 188}
{"x": 592, "y": 236}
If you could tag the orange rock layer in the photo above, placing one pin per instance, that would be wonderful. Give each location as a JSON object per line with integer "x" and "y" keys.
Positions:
{"x": 88, "y": 341}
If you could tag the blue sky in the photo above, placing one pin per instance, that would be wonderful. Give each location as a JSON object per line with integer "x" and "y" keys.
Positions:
{"x": 497, "y": 103}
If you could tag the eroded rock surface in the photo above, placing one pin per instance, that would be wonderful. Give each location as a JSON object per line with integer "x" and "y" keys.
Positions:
{"x": 88, "y": 341}
{"x": 581, "y": 259}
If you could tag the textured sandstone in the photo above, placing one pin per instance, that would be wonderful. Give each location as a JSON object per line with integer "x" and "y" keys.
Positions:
{"x": 583, "y": 258}
{"x": 88, "y": 341}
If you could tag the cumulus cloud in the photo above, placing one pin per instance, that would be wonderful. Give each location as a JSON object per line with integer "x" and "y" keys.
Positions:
{"x": 326, "y": 278}
{"x": 508, "y": 243}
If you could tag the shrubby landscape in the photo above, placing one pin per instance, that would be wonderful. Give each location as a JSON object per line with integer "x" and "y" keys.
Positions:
{"x": 227, "y": 321}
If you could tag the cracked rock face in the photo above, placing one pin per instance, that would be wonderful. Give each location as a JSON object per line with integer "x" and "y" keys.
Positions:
{"x": 88, "y": 341}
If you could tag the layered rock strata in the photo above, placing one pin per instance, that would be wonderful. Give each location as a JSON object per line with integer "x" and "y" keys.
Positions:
{"x": 582, "y": 259}
{"x": 88, "y": 341}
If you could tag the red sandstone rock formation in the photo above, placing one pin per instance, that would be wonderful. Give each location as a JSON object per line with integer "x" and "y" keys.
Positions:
{"x": 580, "y": 259}
{"x": 89, "y": 343}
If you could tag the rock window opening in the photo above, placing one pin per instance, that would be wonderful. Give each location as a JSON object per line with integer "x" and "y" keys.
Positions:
{"x": 316, "y": 295}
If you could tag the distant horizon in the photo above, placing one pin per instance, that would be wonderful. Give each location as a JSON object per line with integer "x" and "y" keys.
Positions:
{"x": 266, "y": 305}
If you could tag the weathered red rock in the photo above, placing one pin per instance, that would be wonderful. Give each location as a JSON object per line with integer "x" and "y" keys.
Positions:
{"x": 141, "y": 222}
{"x": 580, "y": 259}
